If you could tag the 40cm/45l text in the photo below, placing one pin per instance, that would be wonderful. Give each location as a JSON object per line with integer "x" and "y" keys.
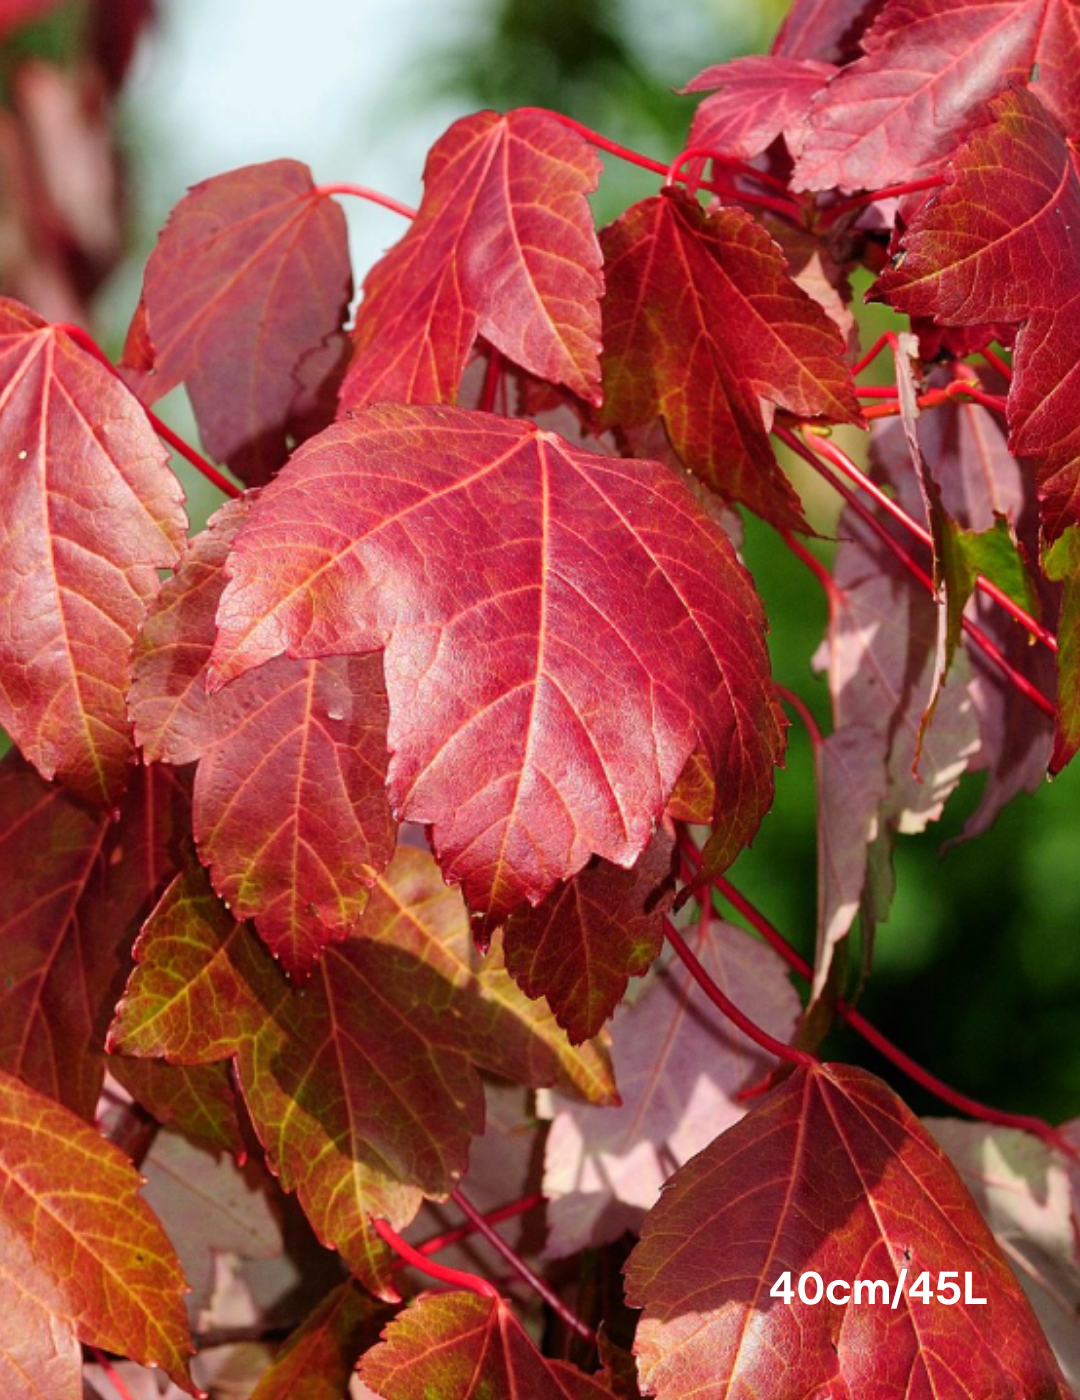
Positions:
{"x": 811, "y": 1288}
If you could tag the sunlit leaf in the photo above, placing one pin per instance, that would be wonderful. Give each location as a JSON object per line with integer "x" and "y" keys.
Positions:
{"x": 829, "y": 1173}
{"x": 89, "y": 512}
{"x": 249, "y": 281}
{"x": 502, "y": 247}
{"x": 525, "y": 751}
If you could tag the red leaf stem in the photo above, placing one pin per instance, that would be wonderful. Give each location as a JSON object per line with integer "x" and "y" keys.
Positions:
{"x": 878, "y": 391}
{"x": 385, "y": 201}
{"x": 457, "y": 1278}
{"x": 933, "y": 399}
{"x": 163, "y": 430}
{"x": 858, "y": 1022}
{"x": 989, "y": 648}
{"x": 437, "y": 1243}
{"x": 813, "y": 563}
{"x": 843, "y": 462}
{"x": 484, "y": 1227}
{"x": 810, "y": 724}
{"x": 115, "y": 1379}
{"x": 996, "y": 362}
{"x": 859, "y": 201}
{"x": 886, "y": 339}
{"x": 785, "y": 209}
{"x": 719, "y": 999}
{"x": 741, "y": 167}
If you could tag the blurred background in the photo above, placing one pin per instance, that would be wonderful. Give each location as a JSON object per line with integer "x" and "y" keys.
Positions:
{"x": 110, "y": 109}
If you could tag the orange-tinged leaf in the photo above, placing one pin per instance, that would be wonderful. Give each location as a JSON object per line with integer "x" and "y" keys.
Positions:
{"x": 525, "y": 749}
{"x": 590, "y": 936}
{"x": 40, "y": 1356}
{"x": 502, "y": 247}
{"x": 75, "y": 888}
{"x": 198, "y": 1100}
{"x": 702, "y": 324}
{"x": 89, "y": 512}
{"x": 102, "y": 1261}
{"x": 458, "y": 1346}
{"x": 290, "y": 808}
{"x": 501, "y": 1029}
{"x": 318, "y": 1359}
{"x": 249, "y": 284}
{"x": 361, "y": 1087}
{"x": 829, "y": 1173}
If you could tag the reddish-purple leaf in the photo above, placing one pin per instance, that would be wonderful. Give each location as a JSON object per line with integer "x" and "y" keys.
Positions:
{"x": 851, "y": 789}
{"x": 209, "y": 1204}
{"x": 503, "y": 247}
{"x": 458, "y": 1346}
{"x": 702, "y": 323}
{"x": 754, "y": 100}
{"x": 830, "y": 1173}
{"x": 828, "y": 30}
{"x": 679, "y": 1068}
{"x": 1022, "y": 1189}
{"x": 290, "y": 809}
{"x": 248, "y": 286}
{"x": 546, "y": 686}
{"x": 997, "y": 244}
{"x": 929, "y": 70}
{"x": 361, "y": 1087}
{"x": 89, "y": 512}
{"x": 100, "y": 1261}
{"x": 317, "y": 1361}
{"x": 590, "y": 936}
{"x": 76, "y": 886}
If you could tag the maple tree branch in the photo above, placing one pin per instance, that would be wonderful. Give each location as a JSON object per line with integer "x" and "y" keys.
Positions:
{"x": 458, "y": 1278}
{"x": 721, "y": 1000}
{"x": 843, "y": 462}
{"x": 934, "y": 398}
{"x": 385, "y": 201}
{"x": 175, "y": 441}
{"x": 484, "y": 1227}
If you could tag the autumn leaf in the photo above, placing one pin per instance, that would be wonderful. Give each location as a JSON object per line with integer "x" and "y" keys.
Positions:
{"x": 829, "y": 1173}
{"x": 826, "y": 30}
{"x": 361, "y": 1087}
{"x": 248, "y": 284}
{"x": 524, "y": 751}
{"x": 290, "y": 809}
{"x": 581, "y": 945}
{"x": 76, "y": 887}
{"x": 502, "y": 247}
{"x": 99, "y": 1261}
{"x": 317, "y": 1361}
{"x": 701, "y": 324}
{"x": 459, "y": 1346}
{"x": 753, "y": 101}
{"x": 852, "y": 789}
{"x": 679, "y": 1068}
{"x": 198, "y": 1100}
{"x": 929, "y": 69}
{"x": 89, "y": 512}
{"x": 1022, "y": 1189}
{"x": 997, "y": 245}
